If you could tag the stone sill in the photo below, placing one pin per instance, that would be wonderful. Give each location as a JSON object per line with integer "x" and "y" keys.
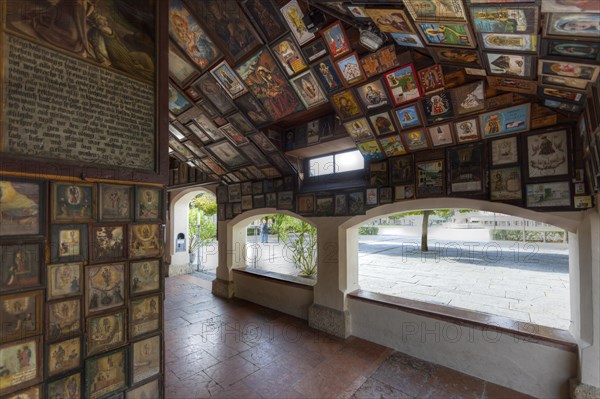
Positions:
{"x": 285, "y": 279}
{"x": 548, "y": 336}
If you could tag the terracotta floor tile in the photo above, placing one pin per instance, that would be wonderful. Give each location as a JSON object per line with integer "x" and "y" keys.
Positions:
{"x": 230, "y": 371}
{"x": 453, "y": 384}
{"x": 373, "y": 388}
{"x": 493, "y": 391}
{"x": 404, "y": 374}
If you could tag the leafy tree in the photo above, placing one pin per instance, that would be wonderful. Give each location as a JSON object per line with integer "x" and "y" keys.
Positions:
{"x": 301, "y": 238}
{"x": 202, "y": 227}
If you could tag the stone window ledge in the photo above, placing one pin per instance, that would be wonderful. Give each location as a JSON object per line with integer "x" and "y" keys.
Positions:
{"x": 285, "y": 279}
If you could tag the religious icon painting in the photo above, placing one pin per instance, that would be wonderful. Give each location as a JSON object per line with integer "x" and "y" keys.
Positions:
{"x": 505, "y": 18}
{"x": 392, "y": 145}
{"x": 356, "y": 203}
{"x": 266, "y": 17}
{"x": 22, "y": 211}
{"x": 548, "y": 195}
{"x": 213, "y": 92}
{"x": 293, "y": 15}
{"x": 21, "y": 364}
{"x": 512, "y": 85}
{"x": 392, "y": 21}
{"x": 306, "y": 204}
{"x": 336, "y": 40}
{"x": 341, "y": 205}
{"x": 21, "y": 265}
{"x": 266, "y": 81}
{"x": 63, "y": 318}
{"x": 447, "y": 34}
{"x": 466, "y": 174}
{"x": 436, "y": 9}
{"x": 350, "y": 69}
{"x": 63, "y": 356}
{"x": 148, "y": 203}
{"x": 547, "y": 155}
{"x": 21, "y": 315}
{"x": 253, "y": 153}
{"x": 504, "y": 151}
{"x": 359, "y": 129}
{"x": 430, "y": 178}
{"x": 466, "y": 130}
{"x": 69, "y": 386}
{"x": 228, "y": 80}
{"x": 180, "y": 69}
{"x": 64, "y": 280}
{"x": 509, "y": 42}
{"x": 562, "y": 94}
{"x": 105, "y": 287}
{"x": 432, "y": 79}
{"x": 324, "y": 206}
{"x": 346, "y": 105}
{"x": 402, "y": 84}
{"x": 73, "y": 202}
{"x": 241, "y": 123}
{"x": 370, "y": 150}
{"x": 234, "y": 135}
{"x": 415, "y": 140}
{"x": 381, "y": 61}
{"x": 144, "y": 315}
{"x": 328, "y": 75}
{"x": 408, "y": 40}
{"x": 373, "y": 95}
{"x": 505, "y": 121}
{"x": 409, "y": 117}
{"x": 469, "y": 98}
{"x": 106, "y": 374}
{"x": 106, "y": 331}
{"x": 314, "y": 50}
{"x": 573, "y": 25}
{"x": 252, "y": 109}
{"x": 402, "y": 170}
{"x": 371, "y": 197}
{"x": 68, "y": 243}
{"x": 289, "y": 56}
{"x": 151, "y": 389}
{"x": 438, "y": 107}
{"x": 107, "y": 242}
{"x": 505, "y": 184}
{"x": 262, "y": 142}
{"x": 31, "y": 393}
{"x": 145, "y": 240}
{"x": 382, "y": 123}
{"x": 456, "y": 56}
{"x": 510, "y": 65}
{"x": 308, "y": 89}
{"x": 178, "y": 103}
{"x": 569, "y": 48}
{"x": 569, "y": 70}
{"x": 145, "y": 358}
{"x": 440, "y": 135}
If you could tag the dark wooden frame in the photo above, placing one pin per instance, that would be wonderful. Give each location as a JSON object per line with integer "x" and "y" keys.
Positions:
{"x": 47, "y": 350}
{"x": 5, "y": 265}
{"x": 63, "y": 335}
{"x": 160, "y": 359}
{"x": 49, "y": 269}
{"x": 39, "y": 372}
{"x": 5, "y": 336}
{"x": 93, "y": 255}
{"x": 88, "y": 376}
{"x": 90, "y": 348}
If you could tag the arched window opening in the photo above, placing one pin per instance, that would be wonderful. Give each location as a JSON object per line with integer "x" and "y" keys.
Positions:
{"x": 479, "y": 261}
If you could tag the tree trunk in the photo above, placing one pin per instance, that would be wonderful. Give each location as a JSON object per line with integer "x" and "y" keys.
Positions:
{"x": 424, "y": 228}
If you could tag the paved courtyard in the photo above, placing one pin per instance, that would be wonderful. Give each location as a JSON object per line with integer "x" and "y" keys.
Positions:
{"x": 463, "y": 269}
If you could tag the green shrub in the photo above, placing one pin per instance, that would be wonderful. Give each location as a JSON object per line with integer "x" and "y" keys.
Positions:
{"x": 368, "y": 230}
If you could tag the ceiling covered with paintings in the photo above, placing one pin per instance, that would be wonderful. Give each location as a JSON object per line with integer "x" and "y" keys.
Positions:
{"x": 254, "y": 88}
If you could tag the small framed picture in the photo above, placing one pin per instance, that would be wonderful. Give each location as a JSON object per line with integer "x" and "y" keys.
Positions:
{"x": 402, "y": 84}
{"x": 359, "y": 129}
{"x": 415, "y": 140}
{"x": 116, "y": 203}
{"x": 409, "y": 117}
{"x": 148, "y": 203}
{"x": 469, "y": 98}
{"x": 145, "y": 359}
{"x": 350, "y": 69}
{"x": 68, "y": 242}
{"x": 144, "y": 315}
{"x": 63, "y": 318}
{"x": 371, "y": 197}
{"x": 548, "y": 155}
{"x": 327, "y": 75}
{"x": 21, "y": 315}
{"x": 392, "y": 145}
{"x": 381, "y": 61}
{"x": 306, "y": 204}
{"x": 510, "y": 65}
{"x": 572, "y": 25}
{"x": 583, "y": 201}
{"x": 505, "y": 184}
{"x": 560, "y": 94}
{"x": 28, "y": 200}
{"x": 19, "y": 373}
{"x": 308, "y": 89}
{"x": 65, "y": 387}
{"x": 382, "y": 123}
{"x": 505, "y": 121}
{"x": 430, "y": 178}
{"x": 64, "y": 280}
{"x": 106, "y": 374}
{"x": 356, "y": 203}
{"x": 105, "y": 287}
{"x": 466, "y": 174}
{"x": 370, "y": 150}
{"x": 447, "y": 34}
{"x": 315, "y": 50}
{"x": 391, "y": 21}
{"x": 548, "y": 195}
{"x": 270, "y": 200}
{"x": 436, "y": 10}
{"x": 504, "y": 151}
{"x": 108, "y": 242}
{"x": 285, "y": 200}
{"x": 246, "y": 202}
{"x": 438, "y": 107}
{"x": 402, "y": 193}
{"x": 73, "y": 202}
{"x": 432, "y": 79}
{"x": 341, "y": 205}
{"x": 228, "y": 80}
{"x": 21, "y": 264}
{"x": 324, "y": 206}
{"x": 378, "y": 173}
{"x": 234, "y": 135}
{"x": 145, "y": 240}
{"x": 63, "y": 356}
{"x": 524, "y": 43}
{"x": 385, "y": 195}
{"x": 515, "y": 85}
{"x": 456, "y": 57}
{"x": 149, "y": 390}
{"x": 440, "y": 135}
{"x": 234, "y": 192}
{"x": 466, "y": 130}
{"x": 372, "y": 95}
{"x": 336, "y": 40}
{"x": 346, "y": 105}
{"x": 29, "y": 393}
{"x": 145, "y": 276}
{"x": 106, "y": 331}
{"x": 402, "y": 171}
{"x": 289, "y": 56}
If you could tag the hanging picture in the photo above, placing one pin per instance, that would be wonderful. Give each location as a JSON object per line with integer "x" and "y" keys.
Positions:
{"x": 372, "y": 95}
{"x": 430, "y": 178}
{"x": 359, "y": 129}
{"x": 569, "y": 70}
{"x": 548, "y": 154}
{"x": 285, "y": 200}
{"x": 234, "y": 135}
{"x": 350, "y": 69}
{"x": 569, "y": 48}
{"x": 409, "y": 117}
{"x": 178, "y": 103}
{"x": 402, "y": 193}
{"x": 346, "y": 105}
{"x": 116, "y": 202}
{"x": 402, "y": 171}
{"x": 469, "y": 98}
{"x": 227, "y": 154}
{"x": 63, "y": 356}
{"x": 432, "y": 79}
{"x": 306, "y": 204}
{"x": 465, "y": 168}
{"x": 148, "y": 390}
{"x": 371, "y": 197}
{"x": 548, "y": 195}
{"x": 106, "y": 374}
{"x": 191, "y": 38}
{"x": 505, "y": 121}
{"x": 289, "y": 56}
{"x": 228, "y": 80}
{"x": 511, "y": 65}
{"x": 402, "y": 84}
{"x": 378, "y": 173}
{"x": 505, "y": 184}
{"x": 415, "y": 140}
{"x": 68, "y": 243}
{"x": 240, "y": 123}
{"x": 308, "y": 89}
{"x": 293, "y": 15}
{"x": 107, "y": 242}
{"x": 435, "y": 9}
{"x": 513, "y": 85}
{"x": 253, "y": 153}
{"x": 266, "y": 81}
{"x": 145, "y": 240}
{"x": 407, "y": 40}
{"x": 21, "y": 364}
{"x": 266, "y": 17}
{"x": 21, "y": 265}
{"x": 63, "y": 318}
{"x": 356, "y": 203}
{"x": 456, "y": 56}
{"x": 208, "y": 86}
{"x": 106, "y": 331}
{"x": 447, "y": 34}
{"x": 23, "y": 205}
{"x": 252, "y": 109}
{"x": 438, "y": 107}
{"x": 144, "y": 315}
{"x": 336, "y": 40}
{"x": 228, "y": 26}
{"x": 466, "y": 130}
{"x": 370, "y": 150}
{"x": 567, "y": 107}
{"x": 357, "y": 12}
{"x": 382, "y": 123}
{"x": 29, "y": 393}
{"x": 324, "y": 206}
{"x": 105, "y": 287}
{"x": 562, "y": 95}
{"x": 392, "y": 21}
{"x": 573, "y": 25}
{"x": 146, "y": 355}
{"x": 327, "y": 75}
{"x": 148, "y": 203}
{"x": 505, "y": 18}
{"x": 569, "y": 6}
{"x": 262, "y": 142}
{"x": 392, "y": 145}
{"x": 21, "y": 315}
{"x": 341, "y": 205}
{"x": 440, "y": 135}
{"x": 73, "y": 202}
{"x": 509, "y": 42}
{"x": 314, "y": 50}
{"x": 64, "y": 280}
{"x": 381, "y": 61}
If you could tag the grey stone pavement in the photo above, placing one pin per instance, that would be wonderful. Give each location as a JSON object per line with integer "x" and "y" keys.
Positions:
{"x": 463, "y": 269}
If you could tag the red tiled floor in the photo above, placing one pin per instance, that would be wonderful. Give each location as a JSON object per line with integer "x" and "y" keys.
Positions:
{"x": 235, "y": 349}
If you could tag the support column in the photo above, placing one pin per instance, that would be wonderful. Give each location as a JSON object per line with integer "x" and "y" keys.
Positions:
{"x": 232, "y": 253}
{"x": 328, "y": 312}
